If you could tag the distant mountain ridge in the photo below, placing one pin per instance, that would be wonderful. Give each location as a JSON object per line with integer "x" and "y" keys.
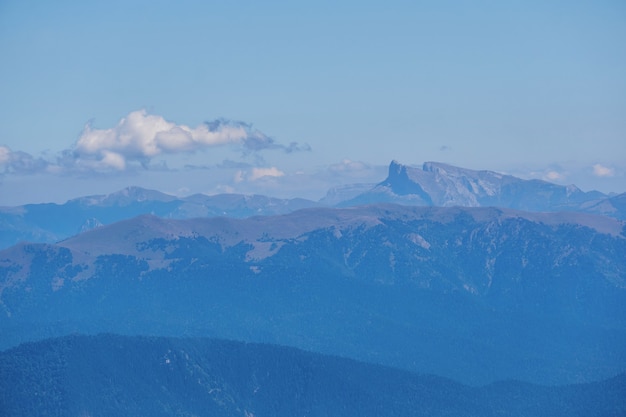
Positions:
{"x": 474, "y": 294}
{"x": 110, "y": 375}
{"x": 51, "y": 223}
{"x": 421, "y": 272}
{"x": 442, "y": 185}
{"x": 435, "y": 184}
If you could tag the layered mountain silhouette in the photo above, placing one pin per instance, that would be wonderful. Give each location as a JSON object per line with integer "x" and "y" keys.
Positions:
{"x": 474, "y": 276}
{"x": 473, "y": 294}
{"x": 435, "y": 184}
{"x": 108, "y": 375}
{"x": 53, "y": 222}
{"x": 442, "y": 185}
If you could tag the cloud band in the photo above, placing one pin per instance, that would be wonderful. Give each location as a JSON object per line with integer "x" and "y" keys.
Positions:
{"x": 141, "y": 136}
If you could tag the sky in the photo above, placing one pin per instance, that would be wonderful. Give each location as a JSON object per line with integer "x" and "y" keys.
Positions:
{"x": 289, "y": 100}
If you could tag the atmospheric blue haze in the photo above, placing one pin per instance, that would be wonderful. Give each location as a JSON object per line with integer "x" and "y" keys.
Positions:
{"x": 533, "y": 89}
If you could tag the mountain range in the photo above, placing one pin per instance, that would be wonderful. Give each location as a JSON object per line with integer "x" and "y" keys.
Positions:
{"x": 435, "y": 184}
{"x": 473, "y": 294}
{"x": 108, "y": 375}
{"x": 443, "y": 185}
{"x": 53, "y": 222}
{"x": 346, "y": 304}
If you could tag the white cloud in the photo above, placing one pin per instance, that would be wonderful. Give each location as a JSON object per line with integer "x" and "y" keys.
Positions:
{"x": 347, "y": 165}
{"x": 224, "y": 189}
{"x": 21, "y": 162}
{"x": 140, "y": 136}
{"x": 602, "y": 171}
{"x": 5, "y": 154}
{"x": 114, "y": 160}
{"x": 553, "y": 176}
{"x": 137, "y": 139}
{"x": 258, "y": 173}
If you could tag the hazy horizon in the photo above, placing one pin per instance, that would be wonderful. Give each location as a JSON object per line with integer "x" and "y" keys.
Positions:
{"x": 290, "y": 100}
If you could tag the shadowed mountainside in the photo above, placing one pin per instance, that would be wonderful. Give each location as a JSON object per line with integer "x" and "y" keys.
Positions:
{"x": 474, "y": 294}
{"x": 108, "y": 375}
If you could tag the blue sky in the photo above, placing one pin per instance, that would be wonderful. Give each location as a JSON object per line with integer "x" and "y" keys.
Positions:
{"x": 96, "y": 96}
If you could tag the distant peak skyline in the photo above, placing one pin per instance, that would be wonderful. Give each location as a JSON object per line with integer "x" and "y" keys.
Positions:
{"x": 289, "y": 100}
{"x": 148, "y": 151}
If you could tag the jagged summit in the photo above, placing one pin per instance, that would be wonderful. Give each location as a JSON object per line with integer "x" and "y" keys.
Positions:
{"x": 432, "y": 184}
{"x": 440, "y": 184}
{"x": 401, "y": 183}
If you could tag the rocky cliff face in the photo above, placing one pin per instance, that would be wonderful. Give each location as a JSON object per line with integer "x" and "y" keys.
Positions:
{"x": 442, "y": 185}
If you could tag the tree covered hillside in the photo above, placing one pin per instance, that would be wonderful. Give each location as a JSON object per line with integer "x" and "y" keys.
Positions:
{"x": 109, "y": 375}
